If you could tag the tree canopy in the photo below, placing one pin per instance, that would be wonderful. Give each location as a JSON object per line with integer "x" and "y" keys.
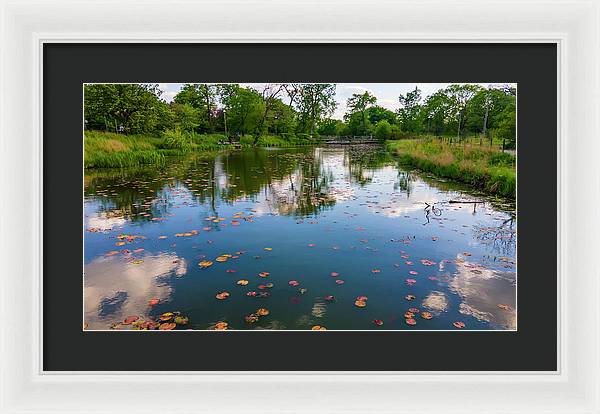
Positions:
{"x": 234, "y": 110}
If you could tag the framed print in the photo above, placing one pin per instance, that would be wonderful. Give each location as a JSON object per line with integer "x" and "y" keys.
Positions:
{"x": 282, "y": 214}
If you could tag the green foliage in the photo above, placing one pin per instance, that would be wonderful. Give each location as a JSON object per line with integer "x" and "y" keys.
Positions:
{"x": 378, "y": 113}
{"x": 357, "y": 116}
{"x": 186, "y": 117}
{"x": 383, "y": 130}
{"x": 410, "y": 110}
{"x": 314, "y": 101}
{"x": 480, "y": 166}
{"x": 130, "y": 108}
{"x": 177, "y": 139}
{"x": 203, "y": 98}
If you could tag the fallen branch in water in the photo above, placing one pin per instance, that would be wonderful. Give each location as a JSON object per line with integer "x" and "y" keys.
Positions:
{"x": 465, "y": 202}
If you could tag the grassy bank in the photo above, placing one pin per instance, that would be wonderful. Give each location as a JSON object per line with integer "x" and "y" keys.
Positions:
{"x": 110, "y": 150}
{"x": 487, "y": 169}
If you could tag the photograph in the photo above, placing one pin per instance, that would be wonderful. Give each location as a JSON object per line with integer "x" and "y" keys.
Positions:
{"x": 299, "y": 207}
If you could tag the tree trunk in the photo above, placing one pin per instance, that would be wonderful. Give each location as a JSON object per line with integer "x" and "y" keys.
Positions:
{"x": 458, "y": 132}
{"x": 485, "y": 118}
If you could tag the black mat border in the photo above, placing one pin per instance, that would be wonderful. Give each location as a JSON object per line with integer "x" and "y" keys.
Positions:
{"x": 533, "y": 348}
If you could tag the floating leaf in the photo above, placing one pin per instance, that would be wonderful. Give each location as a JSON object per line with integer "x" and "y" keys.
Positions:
{"x": 334, "y": 274}
{"x": 162, "y": 237}
{"x": 251, "y": 293}
{"x": 427, "y": 262}
{"x": 204, "y": 264}
{"x": 378, "y": 322}
{"x": 242, "y": 282}
{"x": 410, "y": 282}
{"x": 329, "y": 298}
{"x": 339, "y": 282}
{"x": 466, "y": 254}
{"x": 413, "y": 310}
{"x": 408, "y": 262}
{"x": 221, "y": 326}
{"x": 251, "y": 318}
{"x": 222, "y": 295}
{"x": 426, "y": 315}
{"x": 167, "y": 326}
{"x": 412, "y": 272}
{"x": 375, "y": 271}
{"x": 311, "y": 245}
{"x": 147, "y": 325}
{"x": 264, "y": 274}
{"x": 318, "y": 328}
{"x": 167, "y": 316}
{"x": 435, "y": 238}
{"x": 139, "y": 261}
{"x": 138, "y": 250}
{"x": 130, "y": 319}
{"x": 119, "y": 243}
{"x": 153, "y": 302}
{"x": 409, "y": 315}
{"x": 221, "y": 259}
{"x": 230, "y": 271}
{"x": 411, "y": 321}
{"x": 268, "y": 249}
{"x": 504, "y": 307}
{"x": 262, "y": 312}
{"x": 459, "y": 325}
{"x": 360, "y": 303}
{"x": 362, "y": 298}
{"x": 409, "y": 297}
{"x": 293, "y": 283}
{"x": 181, "y": 320}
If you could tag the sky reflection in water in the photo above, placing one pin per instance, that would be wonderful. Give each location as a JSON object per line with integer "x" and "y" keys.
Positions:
{"x": 352, "y": 211}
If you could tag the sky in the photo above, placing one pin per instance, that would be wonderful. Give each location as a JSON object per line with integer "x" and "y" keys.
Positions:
{"x": 386, "y": 93}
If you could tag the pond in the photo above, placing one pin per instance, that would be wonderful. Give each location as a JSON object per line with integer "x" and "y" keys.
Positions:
{"x": 337, "y": 237}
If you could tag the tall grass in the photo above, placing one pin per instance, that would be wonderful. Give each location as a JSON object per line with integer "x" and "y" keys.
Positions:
{"x": 485, "y": 168}
{"x": 108, "y": 150}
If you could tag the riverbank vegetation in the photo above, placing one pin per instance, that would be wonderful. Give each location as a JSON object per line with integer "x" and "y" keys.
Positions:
{"x": 488, "y": 169}
{"x": 131, "y": 124}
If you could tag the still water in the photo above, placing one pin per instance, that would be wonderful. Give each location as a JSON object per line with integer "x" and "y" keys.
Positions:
{"x": 341, "y": 238}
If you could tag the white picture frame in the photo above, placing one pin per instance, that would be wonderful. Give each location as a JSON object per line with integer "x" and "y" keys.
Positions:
{"x": 28, "y": 24}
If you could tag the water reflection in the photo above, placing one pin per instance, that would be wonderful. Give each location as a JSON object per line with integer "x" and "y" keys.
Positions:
{"x": 482, "y": 290}
{"x": 116, "y": 287}
{"x": 344, "y": 211}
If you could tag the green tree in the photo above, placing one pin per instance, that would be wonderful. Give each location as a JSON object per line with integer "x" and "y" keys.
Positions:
{"x": 203, "y": 97}
{"x": 410, "y": 110}
{"x": 357, "y": 118}
{"x": 314, "y": 101}
{"x": 383, "y": 130}
{"x": 459, "y": 96}
{"x": 377, "y": 113}
{"x": 128, "y": 108}
{"x": 242, "y": 109}
{"x": 435, "y": 112}
{"x": 186, "y": 116}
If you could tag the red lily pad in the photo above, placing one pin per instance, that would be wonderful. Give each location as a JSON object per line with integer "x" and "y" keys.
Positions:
{"x": 130, "y": 319}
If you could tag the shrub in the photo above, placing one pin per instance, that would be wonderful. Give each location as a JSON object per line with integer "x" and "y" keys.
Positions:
{"x": 383, "y": 130}
{"x": 176, "y": 139}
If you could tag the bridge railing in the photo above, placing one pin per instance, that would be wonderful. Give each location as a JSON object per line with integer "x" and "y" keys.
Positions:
{"x": 347, "y": 138}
